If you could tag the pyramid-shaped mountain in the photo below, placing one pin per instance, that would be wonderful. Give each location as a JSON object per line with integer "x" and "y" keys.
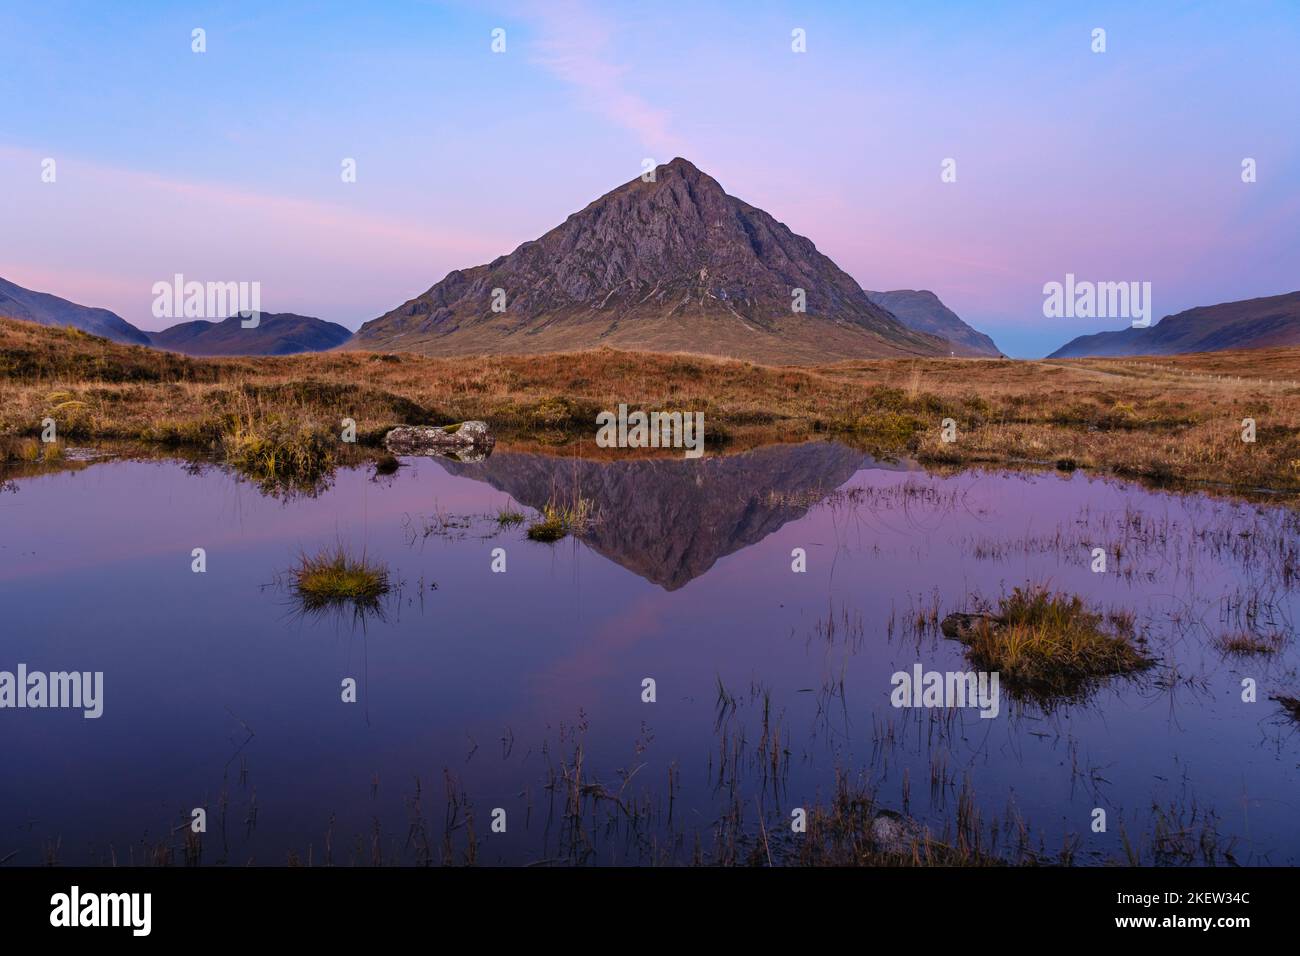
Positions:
{"x": 673, "y": 264}
{"x": 670, "y": 520}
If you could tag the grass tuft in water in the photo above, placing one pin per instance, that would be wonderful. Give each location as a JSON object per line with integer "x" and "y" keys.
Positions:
{"x": 1290, "y": 704}
{"x": 559, "y": 521}
{"x": 1244, "y": 644}
{"x": 508, "y": 517}
{"x": 1051, "y": 645}
{"x": 333, "y": 577}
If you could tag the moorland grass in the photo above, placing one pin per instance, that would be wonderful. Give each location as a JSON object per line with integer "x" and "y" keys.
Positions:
{"x": 1049, "y": 645}
{"x": 1163, "y": 420}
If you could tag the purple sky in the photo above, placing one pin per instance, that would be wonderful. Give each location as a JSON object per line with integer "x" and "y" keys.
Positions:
{"x": 1115, "y": 166}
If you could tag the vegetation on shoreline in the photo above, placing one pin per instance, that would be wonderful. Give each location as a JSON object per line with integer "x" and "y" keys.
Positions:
{"x": 1169, "y": 420}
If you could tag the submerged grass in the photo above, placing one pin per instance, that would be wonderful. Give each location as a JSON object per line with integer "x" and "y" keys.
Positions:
{"x": 509, "y": 517}
{"x": 1049, "y": 645}
{"x": 332, "y": 577}
{"x": 1245, "y": 644}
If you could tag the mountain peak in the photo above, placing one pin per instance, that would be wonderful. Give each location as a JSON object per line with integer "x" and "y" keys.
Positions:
{"x": 673, "y": 264}
{"x": 686, "y": 168}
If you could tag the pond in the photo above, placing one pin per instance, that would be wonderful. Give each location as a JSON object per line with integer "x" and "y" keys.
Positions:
{"x": 708, "y": 655}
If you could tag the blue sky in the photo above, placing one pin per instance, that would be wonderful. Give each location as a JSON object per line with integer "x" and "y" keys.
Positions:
{"x": 1117, "y": 166}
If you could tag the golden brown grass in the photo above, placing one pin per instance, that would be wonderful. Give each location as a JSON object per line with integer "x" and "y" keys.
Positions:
{"x": 1047, "y": 645}
{"x": 1159, "y": 419}
{"x": 559, "y": 521}
{"x": 333, "y": 577}
{"x": 1244, "y": 644}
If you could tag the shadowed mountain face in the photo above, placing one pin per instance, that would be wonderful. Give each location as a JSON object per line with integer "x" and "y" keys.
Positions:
{"x": 670, "y": 265}
{"x": 277, "y": 333}
{"x": 44, "y": 309}
{"x": 669, "y": 520}
{"x": 1250, "y": 324}
{"x": 923, "y": 311}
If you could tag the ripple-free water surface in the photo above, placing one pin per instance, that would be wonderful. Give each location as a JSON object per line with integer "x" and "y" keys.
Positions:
{"x": 484, "y": 685}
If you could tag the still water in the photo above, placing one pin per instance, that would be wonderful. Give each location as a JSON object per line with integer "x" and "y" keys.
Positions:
{"x": 524, "y": 691}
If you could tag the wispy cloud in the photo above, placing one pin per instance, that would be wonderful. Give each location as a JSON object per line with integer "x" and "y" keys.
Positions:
{"x": 576, "y": 44}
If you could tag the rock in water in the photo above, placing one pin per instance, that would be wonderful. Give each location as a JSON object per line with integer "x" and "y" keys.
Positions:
{"x": 963, "y": 627}
{"x": 467, "y": 441}
{"x": 894, "y": 833}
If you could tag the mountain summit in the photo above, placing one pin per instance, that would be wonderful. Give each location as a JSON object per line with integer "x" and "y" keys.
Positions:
{"x": 674, "y": 264}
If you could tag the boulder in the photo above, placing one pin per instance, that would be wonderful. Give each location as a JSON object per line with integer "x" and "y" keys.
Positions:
{"x": 894, "y": 833}
{"x": 466, "y": 440}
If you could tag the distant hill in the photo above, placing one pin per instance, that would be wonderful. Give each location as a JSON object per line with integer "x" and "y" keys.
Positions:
{"x": 282, "y": 333}
{"x": 277, "y": 333}
{"x": 670, "y": 265}
{"x": 1249, "y": 324}
{"x": 921, "y": 310}
{"x": 40, "y": 307}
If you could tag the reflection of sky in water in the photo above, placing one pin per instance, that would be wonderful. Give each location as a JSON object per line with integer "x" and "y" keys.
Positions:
{"x": 95, "y": 575}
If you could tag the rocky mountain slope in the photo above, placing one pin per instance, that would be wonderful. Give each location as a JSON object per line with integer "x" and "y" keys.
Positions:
{"x": 670, "y": 265}
{"x": 923, "y": 311}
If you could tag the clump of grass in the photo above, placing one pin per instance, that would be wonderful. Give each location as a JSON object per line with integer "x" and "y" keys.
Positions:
{"x": 29, "y": 451}
{"x": 550, "y": 528}
{"x": 1244, "y": 644}
{"x": 279, "y": 456}
{"x": 559, "y": 521}
{"x": 1291, "y": 704}
{"x": 509, "y": 517}
{"x": 332, "y": 577}
{"x": 888, "y": 428}
{"x": 1048, "y": 645}
{"x": 843, "y": 833}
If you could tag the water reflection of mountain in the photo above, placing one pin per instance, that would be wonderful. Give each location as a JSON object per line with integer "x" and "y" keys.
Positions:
{"x": 670, "y": 519}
